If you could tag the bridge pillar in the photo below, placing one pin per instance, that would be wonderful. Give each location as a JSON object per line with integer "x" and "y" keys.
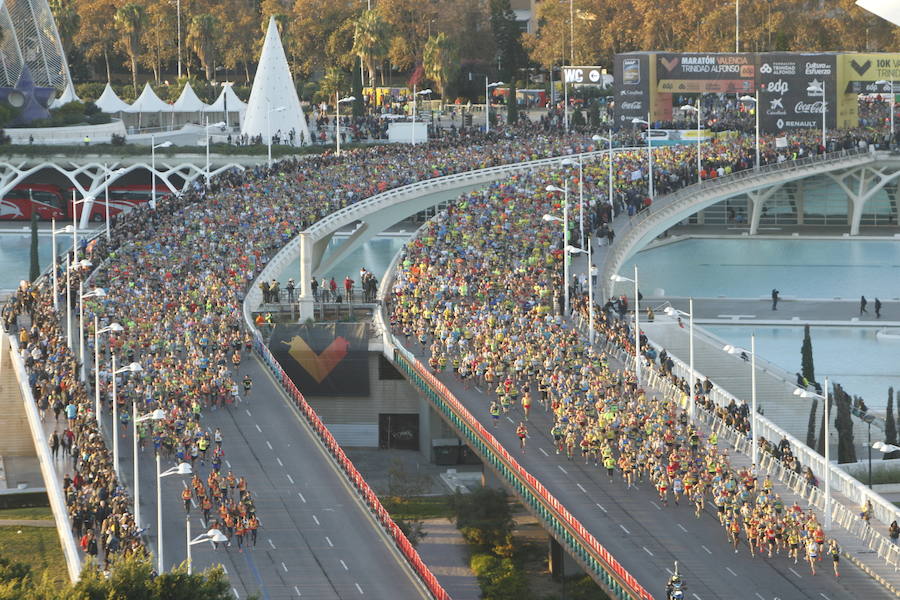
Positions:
{"x": 757, "y": 200}
{"x": 560, "y": 563}
{"x": 305, "y": 300}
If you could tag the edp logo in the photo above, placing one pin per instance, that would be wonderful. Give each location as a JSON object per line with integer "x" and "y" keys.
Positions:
{"x": 777, "y": 87}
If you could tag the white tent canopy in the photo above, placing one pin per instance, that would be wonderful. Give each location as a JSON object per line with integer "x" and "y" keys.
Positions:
{"x": 273, "y": 88}
{"x": 234, "y": 103}
{"x": 109, "y": 102}
{"x": 889, "y": 10}
{"x": 188, "y": 101}
{"x": 148, "y": 102}
{"x": 68, "y": 95}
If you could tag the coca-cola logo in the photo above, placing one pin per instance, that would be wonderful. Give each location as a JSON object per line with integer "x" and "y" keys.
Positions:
{"x": 809, "y": 107}
{"x": 632, "y": 105}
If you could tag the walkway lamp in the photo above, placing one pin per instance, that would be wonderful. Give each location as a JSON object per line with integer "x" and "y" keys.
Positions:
{"x": 425, "y": 92}
{"x": 132, "y": 368}
{"x": 674, "y": 312}
{"x": 94, "y": 293}
{"x": 755, "y": 101}
{"x": 269, "y": 111}
{"x": 890, "y": 83}
{"x": 696, "y": 109}
{"x": 70, "y": 266}
{"x": 213, "y": 536}
{"x": 55, "y": 232}
{"x": 206, "y": 129}
{"x": 637, "y": 324}
{"x": 565, "y": 244}
{"x": 337, "y": 121}
{"x": 754, "y": 450}
{"x": 637, "y": 121}
{"x": 182, "y": 469}
{"x": 574, "y": 250}
{"x": 816, "y": 90}
{"x": 111, "y": 328}
{"x": 567, "y": 164}
{"x": 157, "y": 415}
{"x": 153, "y": 147}
{"x": 487, "y": 102}
{"x": 609, "y": 157}
{"x": 109, "y": 175}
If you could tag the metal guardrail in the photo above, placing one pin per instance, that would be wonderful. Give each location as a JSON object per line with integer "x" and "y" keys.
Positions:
{"x": 628, "y": 231}
{"x": 566, "y": 528}
{"x": 48, "y": 471}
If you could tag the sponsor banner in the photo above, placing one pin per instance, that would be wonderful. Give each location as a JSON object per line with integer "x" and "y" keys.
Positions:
{"x": 587, "y": 76}
{"x": 328, "y": 359}
{"x": 785, "y": 101}
{"x": 706, "y": 73}
{"x": 857, "y": 74}
{"x": 633, "y": 88}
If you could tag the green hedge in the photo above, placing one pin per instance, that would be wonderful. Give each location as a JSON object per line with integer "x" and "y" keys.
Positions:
{"x": 500, "y": 578}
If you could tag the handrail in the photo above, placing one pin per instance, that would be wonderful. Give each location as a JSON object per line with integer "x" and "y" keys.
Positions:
{"x": 51, "y": 481}
{"x": 584, "y": 545}
{"x": 353, "y": 475}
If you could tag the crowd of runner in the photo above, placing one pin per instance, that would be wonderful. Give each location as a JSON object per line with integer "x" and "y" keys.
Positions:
{"x": 477, "y": 294}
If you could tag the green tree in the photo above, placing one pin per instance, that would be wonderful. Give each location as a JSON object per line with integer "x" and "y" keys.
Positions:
{"x": 441, "y": 62}
{"x": 811, "y": 425}
{"x": 844, "y": 425}
{"x": 890, "y": 425}
{"x": 356, "y": 88}
{"x": 510, "y": 52}
{"x": 202, "y": 35}
{"x": 95, "y": 36}
{"x": 239, "y": 34}
{"x": 35, "y": 271}
{"x": 131, "y": 19}
{"x": 65, "y": 13}
{"x": 371, "y": 41}
{"x": 806, "y": 357}
{"x": 484, "y": 518}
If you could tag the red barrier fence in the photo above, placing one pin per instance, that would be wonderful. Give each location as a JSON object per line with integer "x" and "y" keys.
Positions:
{"x": 403, "y": 544}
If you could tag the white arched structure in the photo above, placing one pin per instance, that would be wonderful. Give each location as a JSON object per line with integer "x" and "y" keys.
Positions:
{"x": 860, "y": 174}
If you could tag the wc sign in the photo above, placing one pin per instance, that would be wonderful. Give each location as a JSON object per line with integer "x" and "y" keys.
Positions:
{"x": 586, "y": 75}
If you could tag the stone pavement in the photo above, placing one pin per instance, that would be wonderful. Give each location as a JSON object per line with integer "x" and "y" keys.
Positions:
{"x": 446, "y": 553}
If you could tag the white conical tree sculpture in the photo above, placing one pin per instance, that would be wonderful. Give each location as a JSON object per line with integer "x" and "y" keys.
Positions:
{"x": 274, "y": 107}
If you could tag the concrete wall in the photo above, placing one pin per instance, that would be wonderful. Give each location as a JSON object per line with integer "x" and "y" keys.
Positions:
{"x": 99, "y": 134}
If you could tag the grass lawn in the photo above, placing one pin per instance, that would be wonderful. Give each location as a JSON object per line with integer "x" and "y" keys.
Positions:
{"x": 37, "y": 547}
{"x": 42, "y": 513}
{"x": 419, "y": 507}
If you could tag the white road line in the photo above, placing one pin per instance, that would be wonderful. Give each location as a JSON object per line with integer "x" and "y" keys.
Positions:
{"x": 248, "y": 412}
{"x": 269, "y": 444}
{"x": 272, "y": 544}
{"x": 647, "y": 551}
{"x": 301, "y": 497}
{"x": 296, "y": 589}
{"x": 561, "y": 469}
{"x": 291, "y": 479}
{"x": 328, "y": 539}
{"x": 730, "y": 571}
{"x": 655, "y": 504}
{"x": 257, "y": 428}
{"x": 510, "y": 420}
{"x": 224, "y": 569}
{"x": 791, "y": 569}
{"x": 669, "y": 571}
{"x": 681, "y": 527}
{"x": 359, "y": 588}
{"x": 696, "y": 596}
{"x": 760, "y": 596}
{"x": 236, "y": 595}
{"x": 824, "y": 596}
{"x": 280, "y": 464}
{"x": 705, "y": 548}
{"x": 544, "y": 452}
{"x": 600, "y": 506}
{"x": 284, "y": 566}
{"x": 343, "y": 564}
{"x": 227, "y": 464}
{"x": 623, "y": 529}
{"x": 581, "y": 487}
{"x": 316, "y": 519}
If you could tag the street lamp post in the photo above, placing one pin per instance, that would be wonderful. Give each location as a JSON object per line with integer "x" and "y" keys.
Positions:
{"x": 412, "y": 135}
{"x": 132, "y": 368}
{"x": 153, "y": 147}
{"x": 826, "y": 433}
{"x": 213, "y": 536}
{"x": 573, "y": 250}
{"x": 820, "y": 89}
{"x": 755, "y": 100}
{"x": 95, "y": 293}
{"x": 568, "y": 163}
{"x": 206, "y": 131}
{"x": 487, "y": 102}
{"x": 269, "y": 111}
{"x": 83, "y": 264}
{"x": 869, "y": 419}
{"x": 156, "y": 415}
{"x": 106, "y": 195}
{"x": 696, "y": 109}
{"x": 891, "y": 83}
{"x": 735, "y": 350}
{"x": 671, "y": 311}
{"x": 565, "y": 223}
{"x": 609, "y": 158}
{"x": 111, "y": 328}
{"x": 55, "y": 232}
{"x": 637, "y": 323}
{"x": 649, "y": 153}
{"x": 337, "y": 120}
{"x": 182, "y": 469}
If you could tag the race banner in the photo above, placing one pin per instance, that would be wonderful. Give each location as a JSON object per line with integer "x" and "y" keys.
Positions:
{"x": 327, "y": 359}
{"x": 858, "y": 74}
{"x": 633, "y": 88}
{"x": 784, "y": 97}
{"x": 705, "y": 73}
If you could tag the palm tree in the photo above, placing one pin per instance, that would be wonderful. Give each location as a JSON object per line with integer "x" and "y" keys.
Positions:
{"x": 371, "y": 41}
{"x": 441, "y": 61}
{"x": 131, "y": 20}
{"x": 201, "y": 38}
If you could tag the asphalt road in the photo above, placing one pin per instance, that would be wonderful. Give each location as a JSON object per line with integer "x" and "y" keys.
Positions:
{"x": 317, "y": 539}
{"x": 648, "y": 538}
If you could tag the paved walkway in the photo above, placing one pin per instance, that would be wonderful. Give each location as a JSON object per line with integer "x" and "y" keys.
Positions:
{"x": 447, "y": 555}
{"x": 27, "y": 523}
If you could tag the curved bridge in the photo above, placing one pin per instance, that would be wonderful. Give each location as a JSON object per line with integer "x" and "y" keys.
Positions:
{"x": 860, "y": 174}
